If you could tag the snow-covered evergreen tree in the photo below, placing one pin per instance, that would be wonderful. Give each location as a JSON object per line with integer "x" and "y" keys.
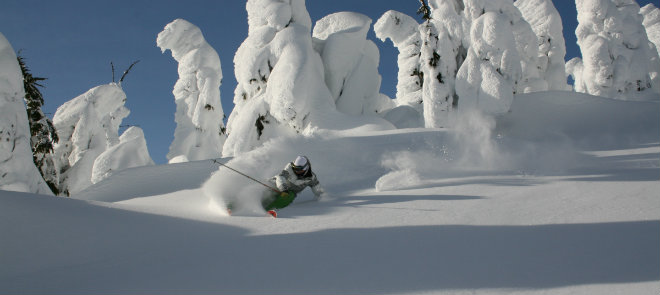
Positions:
{"x": 17, "y": 169}
{"x": 617, "y": 58}
{"x": 88, "y": 126}
{"x": 281, "y": 87}
{"x": 490, "y": 75}
{"x": 42, "y": 131}
{"x": 403, "y": 31}
{"x": 547, "y": 25}
{"x": 200, "y": 131}
{"x": 442, "y": 53}
{"x": 528, "y": 50}
{"x": 651, "y": 23}
{"x": 351, "y": 62}
{"x": 433, "y": 56}
{"x": 131, "y": 151}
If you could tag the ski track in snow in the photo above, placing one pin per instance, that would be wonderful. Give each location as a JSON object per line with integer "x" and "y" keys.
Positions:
{"x": 553, "y": 212}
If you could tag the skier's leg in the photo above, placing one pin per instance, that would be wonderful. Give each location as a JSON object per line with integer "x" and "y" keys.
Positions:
{"x": 268, "y": 200}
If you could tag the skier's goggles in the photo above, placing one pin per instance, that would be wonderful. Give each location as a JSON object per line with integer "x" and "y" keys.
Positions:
{"x": 300, "y": 169}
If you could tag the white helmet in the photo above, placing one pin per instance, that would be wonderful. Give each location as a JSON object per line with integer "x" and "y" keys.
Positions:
{"x": 301, "y": 165}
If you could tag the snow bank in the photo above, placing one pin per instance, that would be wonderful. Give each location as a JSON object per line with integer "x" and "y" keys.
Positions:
{"x": 200, "y": 131}
{"x": 88, "y": 126}
{"x": 617, "y": 59}
{"x": 17, "y": 170}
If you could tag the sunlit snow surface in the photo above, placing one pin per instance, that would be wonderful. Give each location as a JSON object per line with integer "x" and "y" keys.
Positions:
{"x": 559, "y": 196}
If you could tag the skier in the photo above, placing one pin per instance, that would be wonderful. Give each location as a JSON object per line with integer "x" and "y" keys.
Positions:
{"x": 294, "y": 178}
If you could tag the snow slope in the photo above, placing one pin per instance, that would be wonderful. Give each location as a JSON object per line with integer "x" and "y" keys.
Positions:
{"x": 559, "y": 196}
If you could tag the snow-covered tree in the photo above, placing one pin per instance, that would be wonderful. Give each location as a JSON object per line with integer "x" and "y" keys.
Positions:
{"x": 442, "y": 53}
{"x": 42, "y": 131}
{"x": 17, "y": 169}
{"x": 490, "y": 75}
{"x": 618, "y": 60}
{"x": 547, "y": 25}
{"x": 528, "y": 50}
{"x": 131, "y": 151}
{"x": 87, "y": 127}
{"x": 351, "y": 62}
{"x": 651, "y": 23}
{"x": 200, "y": 131}
{"x": 281, "y": 87}
{"x": 433, "y": 56}
{"x": 403, "y": 31}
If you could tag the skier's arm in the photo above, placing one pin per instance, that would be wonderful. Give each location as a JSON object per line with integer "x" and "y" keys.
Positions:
{"x": 281, "y": 181}
{"x": 318, "y": 191}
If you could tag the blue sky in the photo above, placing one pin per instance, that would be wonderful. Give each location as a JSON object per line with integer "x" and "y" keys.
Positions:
{"x": 72, "y": 42}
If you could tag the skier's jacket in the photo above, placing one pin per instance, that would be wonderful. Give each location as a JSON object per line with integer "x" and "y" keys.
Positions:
{"x": 288, "y": 181}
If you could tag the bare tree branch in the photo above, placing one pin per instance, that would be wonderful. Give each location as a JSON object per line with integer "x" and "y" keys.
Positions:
{"x": 112, "y": 65}
{"x": 128, "y": 70}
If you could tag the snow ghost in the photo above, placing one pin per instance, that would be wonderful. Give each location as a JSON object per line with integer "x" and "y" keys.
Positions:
{"x": 131, "y": 151}
{"x": 17, "y": 169}
{"x": 488, "y": 77}
{"x": 547, "y": 25}
{"x": 404, "y": 32}
{"x": 88, "y": 127}
{"x": 281, "y": 87}
{"x": 618, "y": 61}
{"x": 200, "y": 131}
{"x": 351, "y": 62}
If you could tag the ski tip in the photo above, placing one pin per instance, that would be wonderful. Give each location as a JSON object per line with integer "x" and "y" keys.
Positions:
{"x": 272, "y": 213}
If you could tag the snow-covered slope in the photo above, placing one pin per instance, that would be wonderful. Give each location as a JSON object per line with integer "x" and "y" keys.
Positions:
{"x": 559, "y": 196}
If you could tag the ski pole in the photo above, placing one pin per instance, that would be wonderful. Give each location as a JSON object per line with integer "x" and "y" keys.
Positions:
{"x": 248, "y": 176}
